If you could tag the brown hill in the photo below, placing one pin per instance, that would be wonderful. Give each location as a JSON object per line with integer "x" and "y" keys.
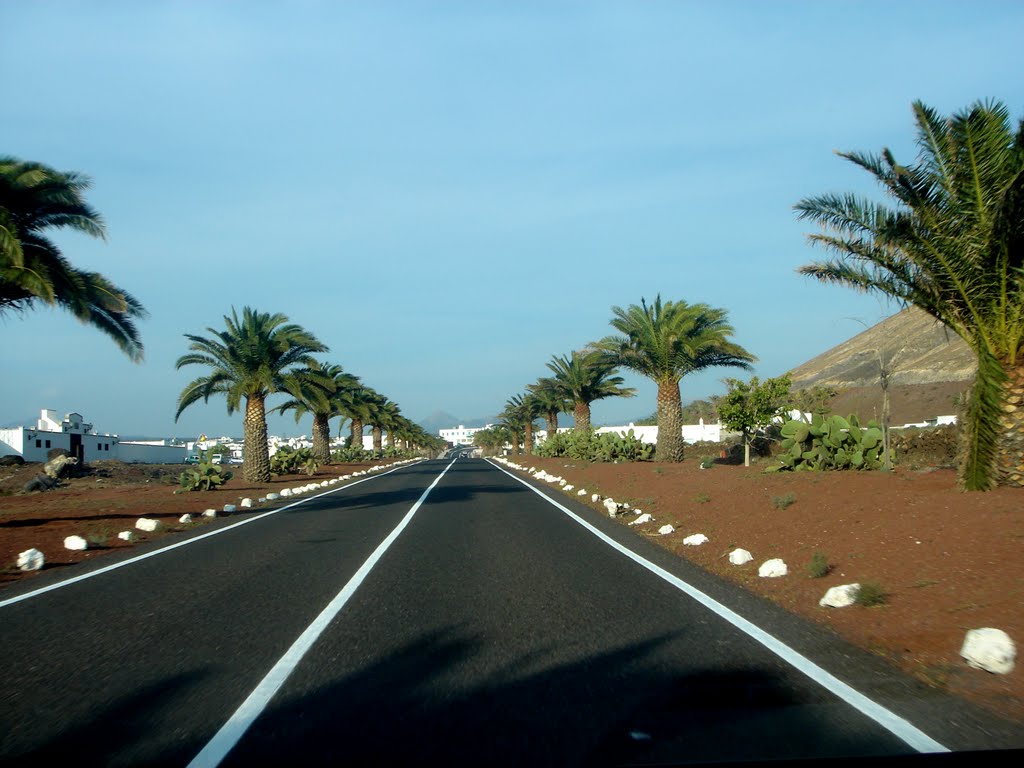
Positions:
{"x": 929, "y": 364}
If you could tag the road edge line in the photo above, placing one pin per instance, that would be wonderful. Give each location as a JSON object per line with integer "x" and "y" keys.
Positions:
{"x": 899, "y": 727}
{"x": 186, "y": 542}
{"x": 241, "y": 720}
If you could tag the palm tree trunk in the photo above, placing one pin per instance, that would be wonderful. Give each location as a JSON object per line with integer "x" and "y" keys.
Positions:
{"x": 987, "y": 426}
{"x": 1010, "y": 454}
{"x": 528, "y": 439}
{"x": 356, "y": 439}
{"x": 321, "y": 439}
{"x": 552, "y": 420}
{"x": 391, "y": 438}
{"x": 378, "y": 438}
{"x": 582, "y": 414}
{"x": 255, "y": 454}
{"x": 670, "y": 422}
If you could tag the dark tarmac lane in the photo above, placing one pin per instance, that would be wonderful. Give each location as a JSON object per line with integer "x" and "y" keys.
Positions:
{"x": 491, "y": 627}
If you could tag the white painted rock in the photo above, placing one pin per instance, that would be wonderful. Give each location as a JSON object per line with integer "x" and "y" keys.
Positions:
{"x": 581, "y": 492}
{"x": 772, "y": 569}
{"x": 147, "y": 524}
{"x": 641, "y": 519}
{"x": 740, "y": 557}
{"x": 186, "y": 518}
{"x": 273, "y": 496}
{"x": 325, "y": 484}
{"x": 568, "y": 487}
{"x": 31, "y": 560}
{"x": 126, "y": 535}
{"x": 989, "y": 649}
{"x": 840, "y": 597}
{"x": 624, "y": 505}
{"x": 695, "y": 540}
{"x": 637, "y": 511}
{"x": 612, "y": 507}
{"x": 346, "y": 477}
{"x": 285, "y": 493}
{"x": 245, "y": 503}
{"x": 665, "y": 530}
{"x": 261, "y": 500}
{"x": 76, "y": 543}
{"x": 210, "y": 513}
{"x": 595, "y": 497}
{"x": 230, "y": 508}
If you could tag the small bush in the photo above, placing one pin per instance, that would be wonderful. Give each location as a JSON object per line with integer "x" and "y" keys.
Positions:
{"x": 781, "y": 502}
{"x": 707, "y": 462}
{"x": 591, "y": 446}
{"x": 204, "y": 476}
{"x": 287, "y": 461}
{"x": 702, "y": 498}
{"x": 871, "y": 593}
{"x": 819, "y": 566}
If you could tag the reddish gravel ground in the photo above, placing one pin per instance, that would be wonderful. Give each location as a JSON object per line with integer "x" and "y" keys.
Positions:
{"x": 947, "y": 561}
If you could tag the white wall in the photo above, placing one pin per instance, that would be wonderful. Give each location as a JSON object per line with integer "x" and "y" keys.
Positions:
{"x": 11, "y": 441}
{"x": 148, "y": 453}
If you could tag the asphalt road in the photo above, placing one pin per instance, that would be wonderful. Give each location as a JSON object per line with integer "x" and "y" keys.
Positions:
{"x": 444, "y": 612}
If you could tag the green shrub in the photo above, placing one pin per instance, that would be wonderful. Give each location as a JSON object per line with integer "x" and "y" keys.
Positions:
{"x": 781, "y": 502}
{"x": 204, "y": 476}
{"x": 290, "y": 461}
{"x": 819, "y": 566}
{"x": 593, "y": 446}
{"x": 702, "y": 498}
{"x": 830, "y": 443}
{"x": 871, "y": 594}
{"x": 351, "y": 455}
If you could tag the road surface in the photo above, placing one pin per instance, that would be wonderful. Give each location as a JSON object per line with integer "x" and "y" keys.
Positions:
{"x": 443, "y": 612}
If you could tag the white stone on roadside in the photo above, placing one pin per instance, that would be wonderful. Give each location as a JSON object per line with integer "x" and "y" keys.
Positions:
{"x": 230, "y": 508}
{"x": 840, "y": 597}
{"x": 637, "y": 511}
{"x": 261, "y": 500}
{"x": 740, "y": 557}
{"x": 31, "y": 560}
{"x": 612, "y": 507}
{"x": 126, "y": 535}
{"x": 285, "y": 493}
{"x": 245, "y": 503}
{"x": 695, "y": 540}
{"x": 581, "y": 492}
{"x": 147, "y": 524}
{"x": 346, "y": 477}
{"x": 75, "y": 543}
{"x": 595, "y": 497}
{"x": 186, "y": 518}
{"x": 989, "y": 649}
{"x": 665, "y": 530}
{"x": 568, "y": 487}
{"x": 210, "y": 513}
{"x": 273, "y": 496}
{"x": 772, "y": 569}
{"x": 325, "y": 484}
{"x": 641, "y": 519}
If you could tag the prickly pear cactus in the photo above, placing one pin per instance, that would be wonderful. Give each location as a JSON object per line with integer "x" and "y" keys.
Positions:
{"x": 830, "y": 443}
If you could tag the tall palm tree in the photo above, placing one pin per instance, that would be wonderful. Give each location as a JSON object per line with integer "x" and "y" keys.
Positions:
{"x": 381, "y": 417}
{"x": 586, "y": 376}
{"x": 519, "y": 415}
{"x": 953, "y": 245}
{"x": 550, "y": 402}
{"x": 321, "y": 389}
{"x": 35, "y": 199}
{"x": 357, "y": 403}
{"x": 258, "y": 355}
{"x": 665, "y": 342}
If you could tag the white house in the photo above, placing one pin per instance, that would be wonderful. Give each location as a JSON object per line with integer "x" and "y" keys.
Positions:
{"x": 460, "y": 435}
{"x": 79, "y": 440}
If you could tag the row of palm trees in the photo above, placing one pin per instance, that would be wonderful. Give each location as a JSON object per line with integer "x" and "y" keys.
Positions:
{"x": 260, "y": 354}
{"x": 662, "y": 341}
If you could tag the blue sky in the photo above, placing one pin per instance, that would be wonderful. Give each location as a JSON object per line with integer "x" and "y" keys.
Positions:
{"x": 449, "y": 193}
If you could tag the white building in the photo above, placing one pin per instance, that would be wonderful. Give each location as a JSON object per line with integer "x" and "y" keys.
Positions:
{"x": 460, "y": 435}
{"x": 79, "y": 440}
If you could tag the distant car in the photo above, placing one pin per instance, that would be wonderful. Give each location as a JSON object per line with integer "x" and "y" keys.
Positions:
{"x": 233, "y": 460}
{"x": 193, "y": 459}
{"x": 217, "y": 458}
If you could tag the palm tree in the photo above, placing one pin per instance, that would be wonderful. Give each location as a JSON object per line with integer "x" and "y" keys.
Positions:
{"x": 357, "y": 403}
{"x": 665, "y": 342}
{"x": 321, "y": 389}
{"x": 519, "y": 414}
{"x": 550, "y": 402}
{"x": 33, "y": 200}
{"x": 586, "y": 376}
{"x": 383, "y": 415}
{"x": 953, "y": 245}
{"x": 257, "y": 356}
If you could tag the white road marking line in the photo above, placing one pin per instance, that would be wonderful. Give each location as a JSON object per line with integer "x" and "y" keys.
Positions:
{"x": 232, "y": 731}
{"x": 186, "y": 542}
{"x": 896, "y": 725}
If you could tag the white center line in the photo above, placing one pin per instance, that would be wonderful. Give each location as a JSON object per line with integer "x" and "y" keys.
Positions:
{"x": 232, "y": 731}
{"x": 896, "y": 725}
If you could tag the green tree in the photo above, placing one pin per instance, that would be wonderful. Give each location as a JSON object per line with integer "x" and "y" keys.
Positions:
{"x": 582, "y": 378}
{"x": 35, "y": 199}
{"x": 665, "y": 342}
{"x": 320, "y": 392}
{"x": 521, "y": 411}
{"x": 749, "y": 407}
{"x": 257, "y": 355}
{"x": 551, "y": 401}
{"x": 953, "y": 245}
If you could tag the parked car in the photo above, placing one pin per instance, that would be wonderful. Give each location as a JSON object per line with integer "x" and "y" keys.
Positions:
{"x": 193, "y": 459}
